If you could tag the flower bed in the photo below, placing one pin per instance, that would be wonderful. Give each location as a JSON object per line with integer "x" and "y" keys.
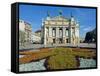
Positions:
{"x": 58, "y": 58}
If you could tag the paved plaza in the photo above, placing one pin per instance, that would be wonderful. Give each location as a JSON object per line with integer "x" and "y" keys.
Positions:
{"x": 36, "y": 46}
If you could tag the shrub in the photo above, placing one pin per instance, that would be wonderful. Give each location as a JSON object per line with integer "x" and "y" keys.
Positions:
{"x": 58, "y": 58}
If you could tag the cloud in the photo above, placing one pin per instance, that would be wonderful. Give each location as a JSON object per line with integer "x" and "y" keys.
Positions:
{"x": 88, "y": 28}
{"x": 82, "y": 26}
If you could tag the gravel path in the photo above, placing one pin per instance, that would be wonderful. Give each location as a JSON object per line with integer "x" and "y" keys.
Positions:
{"x": 39, "y": 65}
{"x": 86, "y": 63}
{"x": 33, "y": 66}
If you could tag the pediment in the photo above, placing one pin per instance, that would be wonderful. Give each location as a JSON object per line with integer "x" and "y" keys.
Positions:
{"x": 60, "y": 18}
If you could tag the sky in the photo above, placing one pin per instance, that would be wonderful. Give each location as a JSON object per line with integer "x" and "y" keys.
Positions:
{"x": 34, "y": 14}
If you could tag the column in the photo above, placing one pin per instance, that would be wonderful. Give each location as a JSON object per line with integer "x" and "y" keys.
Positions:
{"x": 77, "y": 34}
{"x": 74, "y": 36}
{"x": 64, "y": 35}
{"x": 64, "y": 32}
{"x": 57, "y": 34}
{"x": 44, "y": 35}
{"x": 50, "y": 35}
{"x": 70, "y": 34}
{"x": 50, "y": 31}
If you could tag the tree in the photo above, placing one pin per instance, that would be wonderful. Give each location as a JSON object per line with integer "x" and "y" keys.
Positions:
{"x": 90, "y": 36}
{"x": 22, "y": 38}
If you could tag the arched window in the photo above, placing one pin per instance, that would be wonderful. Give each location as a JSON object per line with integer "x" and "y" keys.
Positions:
{"x": 53, "y": 32}
{"x": 60, "y": 32}
{"x": 67, "y": 32}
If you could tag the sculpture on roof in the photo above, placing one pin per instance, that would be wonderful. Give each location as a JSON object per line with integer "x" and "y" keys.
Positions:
{"x": 60, "y": 12}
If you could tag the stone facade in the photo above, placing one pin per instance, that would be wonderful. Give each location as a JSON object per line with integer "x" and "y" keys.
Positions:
{"x": 36, "y": 38}
{"x": 25, "y": 31}
{"x": 60, "y": 30}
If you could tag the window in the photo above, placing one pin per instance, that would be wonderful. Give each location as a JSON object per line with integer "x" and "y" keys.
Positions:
{"x": 67, "y": 32}
{"x": 60, "y": 40}
{"x": 53, "y": 32}
{"x": 60, "y": 32}
{"x": 67, "y": 41}
{"x": 53, "y": 40}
